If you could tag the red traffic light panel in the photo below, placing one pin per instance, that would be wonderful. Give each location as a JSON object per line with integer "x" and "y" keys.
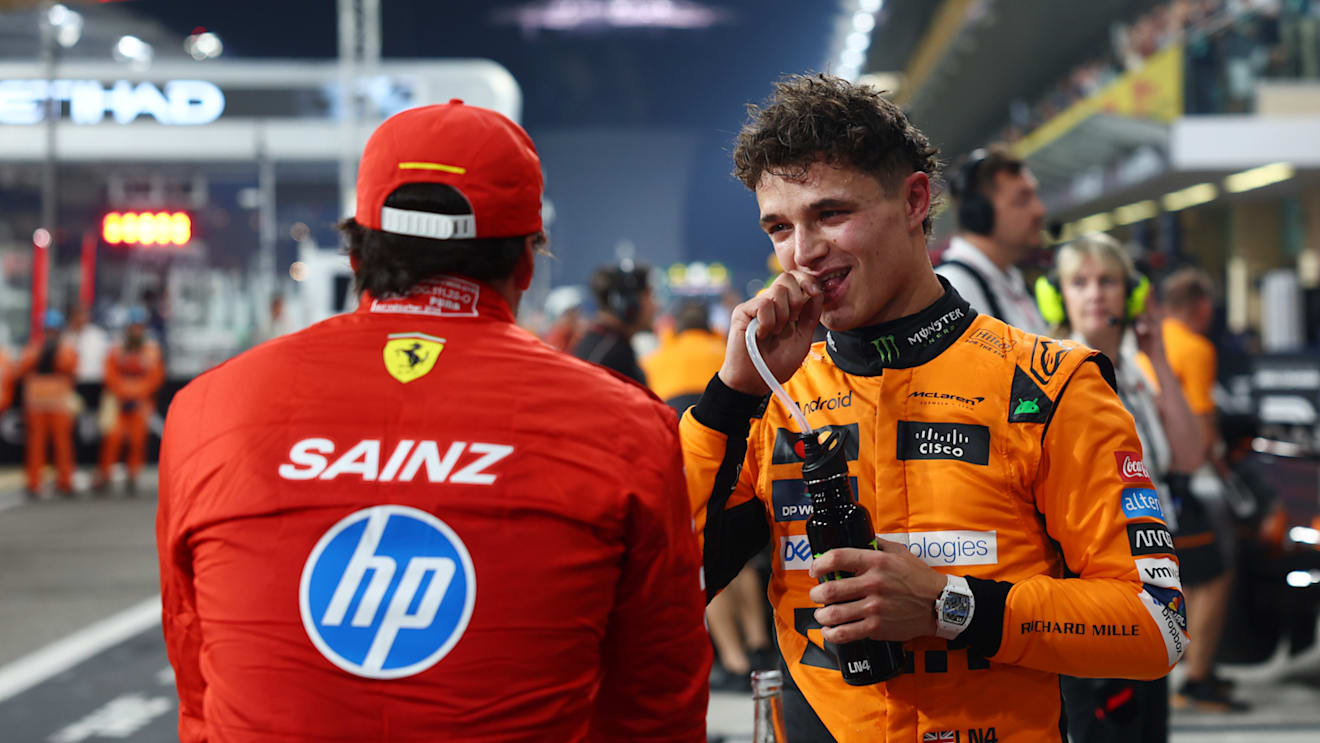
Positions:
{"x": 147, "y": 228}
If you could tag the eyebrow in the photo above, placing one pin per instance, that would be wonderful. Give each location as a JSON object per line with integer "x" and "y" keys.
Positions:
{"x": 815, "y": 206}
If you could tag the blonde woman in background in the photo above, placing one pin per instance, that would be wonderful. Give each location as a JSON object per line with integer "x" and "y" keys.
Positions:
{"x": 1095, "y": 297}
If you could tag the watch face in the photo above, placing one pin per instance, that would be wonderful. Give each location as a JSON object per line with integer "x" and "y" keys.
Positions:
{"x": 956, "y": 608}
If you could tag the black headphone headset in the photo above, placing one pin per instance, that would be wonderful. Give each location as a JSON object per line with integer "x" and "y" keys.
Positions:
{"x": 622, "y": 287}
{"x": 975, "y": 212}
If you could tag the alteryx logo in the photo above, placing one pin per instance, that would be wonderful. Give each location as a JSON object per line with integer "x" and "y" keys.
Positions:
{"x": 387, "y": 592}
{"x": 1142, "y": 502}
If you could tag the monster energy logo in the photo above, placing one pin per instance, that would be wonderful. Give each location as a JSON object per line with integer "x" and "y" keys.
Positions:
{"x": 886, "y": 348}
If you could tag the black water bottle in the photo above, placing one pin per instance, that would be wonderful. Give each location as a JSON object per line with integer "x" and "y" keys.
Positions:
{"x": 838, "y": 521}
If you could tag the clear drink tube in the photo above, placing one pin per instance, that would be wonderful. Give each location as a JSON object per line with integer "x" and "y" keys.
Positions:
{"x": 770, "y": 380}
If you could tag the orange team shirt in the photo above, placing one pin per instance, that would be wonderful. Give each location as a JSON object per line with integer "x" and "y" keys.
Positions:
{"x": 684, "y": 363}
{"x": 1193, "y": 360}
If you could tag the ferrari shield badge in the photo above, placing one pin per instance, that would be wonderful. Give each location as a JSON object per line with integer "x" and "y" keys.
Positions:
{"x": 410, "y": 356}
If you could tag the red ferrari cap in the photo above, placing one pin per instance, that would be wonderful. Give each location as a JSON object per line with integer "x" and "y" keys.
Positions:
{"x": 481, "y": 153}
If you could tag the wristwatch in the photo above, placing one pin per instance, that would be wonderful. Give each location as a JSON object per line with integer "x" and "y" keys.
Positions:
{"x": 954, "y": 608}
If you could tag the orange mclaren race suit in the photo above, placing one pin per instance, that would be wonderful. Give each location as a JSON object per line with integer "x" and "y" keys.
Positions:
{"x": 992, "y": 454}
{"x": 132, "y": 376}
{"x": 417, "y": 522}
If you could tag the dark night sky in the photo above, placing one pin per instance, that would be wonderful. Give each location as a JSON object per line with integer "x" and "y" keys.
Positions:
{"x": 680, "y": 89}
{"x": 660, "y": 77}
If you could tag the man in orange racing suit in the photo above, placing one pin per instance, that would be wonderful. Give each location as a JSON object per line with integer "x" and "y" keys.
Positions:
{"x": 996, "y": 465}
{"x": 134, "y": 372}
{"x": 417, "y": 522}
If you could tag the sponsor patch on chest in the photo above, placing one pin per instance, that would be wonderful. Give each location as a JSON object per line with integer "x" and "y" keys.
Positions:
{"x": 953, "y": 547}
{"x": 963, "y": 442}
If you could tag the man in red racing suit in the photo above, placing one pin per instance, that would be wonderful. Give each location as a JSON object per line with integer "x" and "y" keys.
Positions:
{"x": 416, "y": 522}
{"x": 997, "y": 466}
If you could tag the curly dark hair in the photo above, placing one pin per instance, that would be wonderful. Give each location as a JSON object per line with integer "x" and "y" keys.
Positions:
{"x": 391, "y": 265}
{"x": 809, "y": 117}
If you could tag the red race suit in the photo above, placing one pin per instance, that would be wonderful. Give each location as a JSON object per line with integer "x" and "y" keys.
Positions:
{"x": 417, "y": 522}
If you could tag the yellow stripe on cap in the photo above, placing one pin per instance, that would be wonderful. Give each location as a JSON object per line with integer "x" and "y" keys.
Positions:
{"x": 433, "y": 166}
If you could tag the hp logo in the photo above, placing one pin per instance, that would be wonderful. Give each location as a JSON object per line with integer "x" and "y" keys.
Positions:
{"x": 387, "y": 592}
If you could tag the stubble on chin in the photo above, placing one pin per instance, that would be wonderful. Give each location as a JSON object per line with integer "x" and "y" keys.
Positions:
{"x": 836, "y": 320}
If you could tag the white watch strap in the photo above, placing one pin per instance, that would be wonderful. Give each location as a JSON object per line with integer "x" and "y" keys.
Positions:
{"x": 956, "y": 591}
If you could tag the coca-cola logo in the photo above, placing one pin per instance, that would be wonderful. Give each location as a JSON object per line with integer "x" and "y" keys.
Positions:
{"x": 1130, "y": 467}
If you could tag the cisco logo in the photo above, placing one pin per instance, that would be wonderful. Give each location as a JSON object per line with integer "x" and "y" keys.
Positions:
{"x": 387, "y": 592}
{"x": 965, "y": 442}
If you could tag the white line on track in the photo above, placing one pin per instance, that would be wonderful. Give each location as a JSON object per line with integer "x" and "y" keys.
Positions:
{"x": 9, "y": 500}
{"x": 67, "y": 652}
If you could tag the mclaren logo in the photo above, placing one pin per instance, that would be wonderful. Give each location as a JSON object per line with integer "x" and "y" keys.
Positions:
{"x": 946, "y": 397}
{"x": 410, "y": 356}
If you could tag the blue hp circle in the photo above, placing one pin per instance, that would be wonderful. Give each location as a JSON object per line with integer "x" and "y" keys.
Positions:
{"x": 387, "y": 592}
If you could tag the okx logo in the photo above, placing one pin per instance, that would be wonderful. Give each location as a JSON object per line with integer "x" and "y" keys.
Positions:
{"x": 387, "y": 592}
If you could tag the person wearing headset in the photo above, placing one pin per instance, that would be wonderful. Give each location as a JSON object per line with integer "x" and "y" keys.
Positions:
{"x": 1000, "y": 218}
{"x": 1095, "y": 296}
{"x": 624, "y": 307}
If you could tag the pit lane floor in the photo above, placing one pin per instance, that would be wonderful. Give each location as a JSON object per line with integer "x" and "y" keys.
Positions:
{"x": 81, "y": 656}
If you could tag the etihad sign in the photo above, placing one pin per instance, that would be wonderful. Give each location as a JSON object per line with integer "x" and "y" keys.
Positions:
{"x": 178, "y": 102}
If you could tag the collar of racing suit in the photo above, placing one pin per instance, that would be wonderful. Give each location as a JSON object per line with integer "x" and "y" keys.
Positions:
{"x": 902, "y": 343}
{"x": 443, "y": 296}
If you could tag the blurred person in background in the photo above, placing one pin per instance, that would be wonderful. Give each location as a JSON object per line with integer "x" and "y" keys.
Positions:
{"x": 564, "y": 306}
{"x": 47, "y": 367}
{"x": 1003, "y": 559}
{"x": 1000, "y": 221}
{"x": 134, "y": 372}
{"x": 157, "y": 318}
{"x": 567, "y": 329}
{"x": 624, "y": 307}
{"x": 8, "y": 378}
{"x": 1188, "y": 297}
{"x": 92, "y": 343}
{"x": 721, "y": 312}
{"x": 680, "y": 368}
{"x": 1096, "y": 297}
{"x": 545, "y": 580}
{"x": 678, "y": 372}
